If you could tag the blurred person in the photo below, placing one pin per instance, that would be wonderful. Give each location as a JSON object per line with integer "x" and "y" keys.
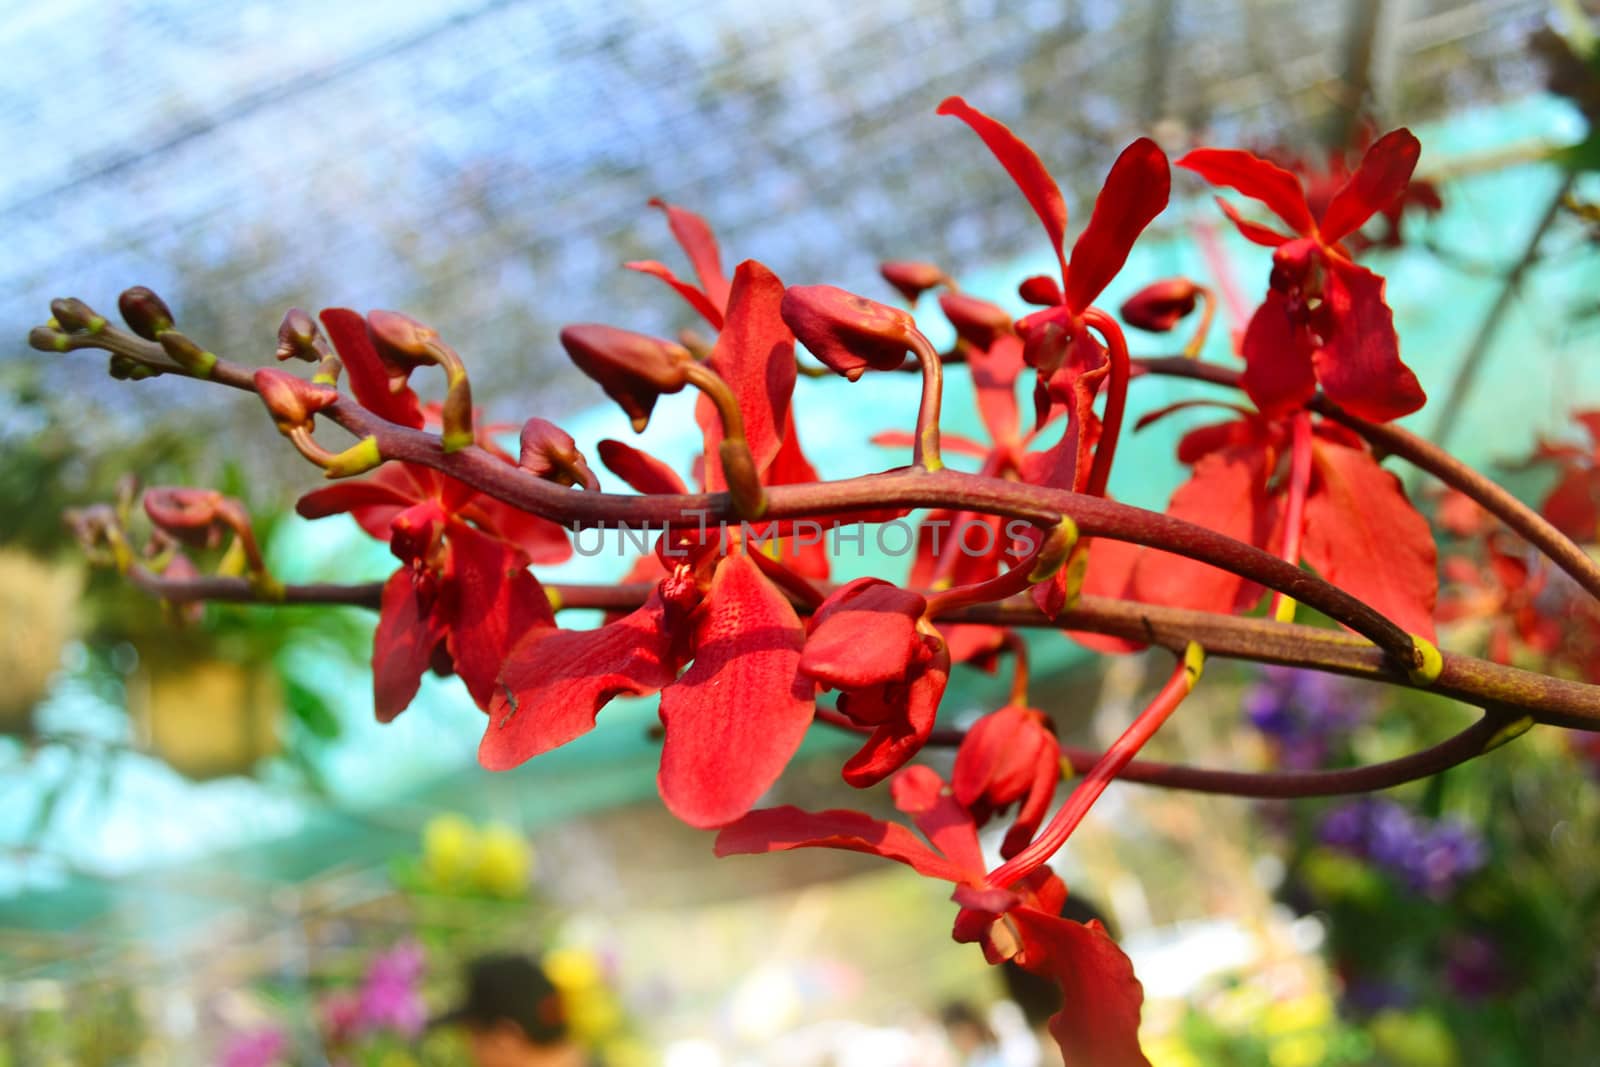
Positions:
{"x": 971, "y": 1035}
{"x": 513, "y": 1016}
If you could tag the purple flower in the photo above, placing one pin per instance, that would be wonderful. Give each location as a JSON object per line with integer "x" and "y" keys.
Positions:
{"x": 1429, "y": 857}
{"x": 389, "y": 999}
{"x": 1303, "y": 712}
{"x": 257, "y": 1048}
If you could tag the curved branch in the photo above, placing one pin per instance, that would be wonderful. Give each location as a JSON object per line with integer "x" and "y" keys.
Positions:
{"x": 1474, "y": 741}
{"x": 1484, "y": 735}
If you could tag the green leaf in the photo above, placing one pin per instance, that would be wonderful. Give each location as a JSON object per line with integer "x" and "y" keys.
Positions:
{"x": 311, "y": 710}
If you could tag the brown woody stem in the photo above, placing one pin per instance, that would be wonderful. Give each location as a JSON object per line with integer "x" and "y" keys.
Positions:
{"x": 1548, "y": 700}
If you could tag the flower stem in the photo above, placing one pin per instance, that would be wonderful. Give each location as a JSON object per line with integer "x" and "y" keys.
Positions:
{"x": 1019, "y": 668}
{"x": 1116, "y": 399}
{"x": 1104, "y": 771}
{"x": 925, "y": 452}
{"x": 733, "y": 451}
{"x": 1208, "y": 312}
{"x": 1294, "y": 518}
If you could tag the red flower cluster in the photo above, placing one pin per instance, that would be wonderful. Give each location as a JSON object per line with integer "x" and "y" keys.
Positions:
{"x": 738, "y": 633}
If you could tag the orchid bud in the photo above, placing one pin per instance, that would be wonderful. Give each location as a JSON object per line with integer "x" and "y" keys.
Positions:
{"x": 1041, "y": 290}
{"x": 549, "y": 452}
{"x": 74, "y": 316}
{"x": 300, "y": 338}
{"x": 1159, "y": 306}
{"x": 912, "y": 279}
{"x": 404, "y": 343}
{"x": 145, "y": 313}
{"x": 977, "y": 322}
{"x": 46, "y": 339}
{"x": 1045, "y": 337}
{"x": 848, "y": 333}
{"x": 634, "y": 369}
{"x": 291, "y": 400}
{"x": 189, "y": 515}
{"x": 186, "y": 354}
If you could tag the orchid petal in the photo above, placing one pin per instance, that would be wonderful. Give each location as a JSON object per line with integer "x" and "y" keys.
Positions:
{"x": 943, "y": 820}
{"x": 1358, "y": 362}
{"x": 1378, "y": 182}
{"x": 369, "y": 377}
{"x": 497, "y": 602}
{"x": 784, "y": 828}
{"x": 1022, "y": 163}
{"x": 402, "y": 646}
{"x": 739, "y": 712}
{"x": 1101, "y": 1000}
{"x": 691, "y": 295}
{"x": 694, "y": 236}
{"x": 641, "y": 471}
{"x": 754, "y": 354}
{"x": 554, "y": 682}
{"x": 1256, "y": 178}
{"x": 1135, "y": 192}
{"x": 1227, "y": 493}
{"x": 1278, "y": 372}
{"x": 1362, "y": 534}
{"x": 1252, "y": 231}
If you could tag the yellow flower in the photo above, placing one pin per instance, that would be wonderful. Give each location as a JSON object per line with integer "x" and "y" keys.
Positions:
{"x": 1313, "y": 1011}
{"x": 593, "y": 1014}
{"x": 449, "y": 850}
{"x": 573, "y": 969}
{"x": 505, "y": 861}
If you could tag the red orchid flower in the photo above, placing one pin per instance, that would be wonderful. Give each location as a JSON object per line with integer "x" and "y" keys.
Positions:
{"x": 464, "y": 595}
{"x": 1573, "y": 505}
{"x": 775, "y": 428}
{"x": 874, "y": 643}
{"x": 1505, "y": 592}
{"x": 694, "y": 236}
{"x": 1071, "y": 364}
{"x": 1098, "y": 1024}
{"x": 734, "y": 718}
{"x": 1355, "y": 526}
{"x": 1009, "y": 756}
{"x": 1135, "y": 192}
{"x": 1324, "y": 320}
{"x": 1324, "y": 178}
